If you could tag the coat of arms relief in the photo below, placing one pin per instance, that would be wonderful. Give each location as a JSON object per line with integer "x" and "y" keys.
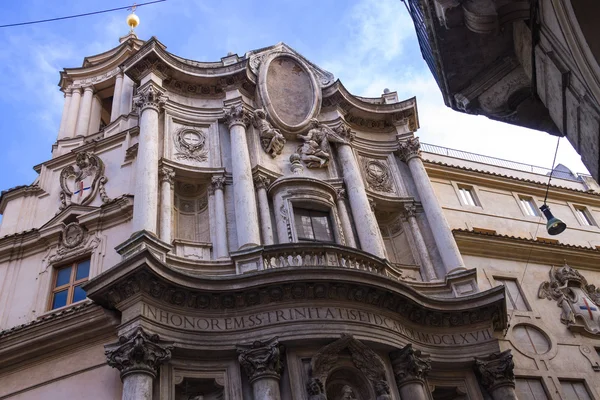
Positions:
{"x": 579, "y": 301}
{"x": 79, "y": 183}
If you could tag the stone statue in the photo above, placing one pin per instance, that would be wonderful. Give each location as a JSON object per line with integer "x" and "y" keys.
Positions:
{"x": 315, "y": 390}
{"x": 314, "y": 150}
{"x": 271, "y": 139}
{"x": 382, "y": 390}
{"x": 348, "y": 393}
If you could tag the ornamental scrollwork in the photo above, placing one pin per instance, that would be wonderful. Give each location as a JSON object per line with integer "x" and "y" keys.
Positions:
{"x": 378, "y": 176}
{"x": 579, "y": 301}
{"x": 271, "y": 139}
{"x": 261, "y": 359}
{"x": 409, "y": 365}
{"x": 138, "y": 352}
{"x": 79, "y": 183}
{"x": 190, "y": 144}
{"x": 496, "y": 370}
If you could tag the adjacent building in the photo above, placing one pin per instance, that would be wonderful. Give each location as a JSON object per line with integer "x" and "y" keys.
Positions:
{"x": 249, "y": 229}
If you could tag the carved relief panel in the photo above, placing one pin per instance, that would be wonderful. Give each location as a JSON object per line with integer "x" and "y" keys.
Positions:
{"x": 80, "y": 182}
{"x": 378, "y": 176}
{"x": 190, "y": 143}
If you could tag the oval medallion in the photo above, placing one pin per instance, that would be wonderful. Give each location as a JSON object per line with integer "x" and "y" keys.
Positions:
{"x": 289, "y": 92}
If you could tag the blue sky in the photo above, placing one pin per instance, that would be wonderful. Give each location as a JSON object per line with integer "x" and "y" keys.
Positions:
{"x": 368, "y": 44}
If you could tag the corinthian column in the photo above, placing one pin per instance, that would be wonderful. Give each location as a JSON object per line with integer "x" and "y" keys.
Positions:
{"x": 261, "y": 183}
{"x": 246, "y": 217}
{"x": 496, "y": 375}
{"x": 167, "y": 176}
{"x": 262, "y": 363}
{"x": 410, "y": 370}
{"x": 221, "y": 249}
{"x": 145, "y": 208}
{"x": 364, "y": 218}
{"x": 115, "y": 111}
{"x": 345, "y": 218}
{"x": 85, "y": 111}
{"x": 410, "y": 152}
{"x": 65, "y": 114}
{"x": 428, "y": 271}
{"x": 73, "y": 112}
{"x": 138, "y": 356}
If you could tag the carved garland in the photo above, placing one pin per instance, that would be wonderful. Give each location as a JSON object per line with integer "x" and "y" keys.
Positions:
{"x": 190, "y": 144}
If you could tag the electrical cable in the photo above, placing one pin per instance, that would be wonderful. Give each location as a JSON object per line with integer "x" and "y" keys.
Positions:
{"x": 79, "y": 15}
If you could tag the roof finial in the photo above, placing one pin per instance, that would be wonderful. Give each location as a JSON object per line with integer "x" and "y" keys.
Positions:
{"x": 132, "y": 20}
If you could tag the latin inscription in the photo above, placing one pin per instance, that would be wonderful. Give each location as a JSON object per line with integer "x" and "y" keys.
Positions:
{"x": 286, "y": 315}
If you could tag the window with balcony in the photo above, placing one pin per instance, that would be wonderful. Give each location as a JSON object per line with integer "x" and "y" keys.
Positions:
{"x": 313, "y": 225}
{"x": 515, "y": 300}
{"x": 529, "y": 207}
{"x": 467, "y": 196}
{"x": 584, "y": 216}
{"x": 67, "y": 284}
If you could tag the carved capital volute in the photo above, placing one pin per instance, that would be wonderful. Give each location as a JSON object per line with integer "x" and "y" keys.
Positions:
{"x": 261, "y": 182}
{"x": 409, "y": 149}
{"x": 410, "y": 210}
{"x": 261, "y": 359}
{"x": 496, "y": 370}
{"x": 150, "y": 97}
{"x": 237, "y": 115}
{"x": 138, "y": 353}
{"x": 409, "y": 365}
{"x": 166, "y": 174}
{"x": 217, "y": 183}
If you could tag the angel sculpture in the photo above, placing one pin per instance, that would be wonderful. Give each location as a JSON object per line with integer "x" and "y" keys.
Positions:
{"x": 315, "y": 149}
{"x": 315, "y": 390}
{"x": 271, "y": 139}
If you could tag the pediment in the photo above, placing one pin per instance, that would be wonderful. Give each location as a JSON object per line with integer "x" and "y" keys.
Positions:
{"x": 68, "y": 215}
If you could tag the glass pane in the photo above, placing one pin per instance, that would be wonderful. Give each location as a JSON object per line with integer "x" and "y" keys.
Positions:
{"x": 63, "y": 276}
{"x": 467, "y": 196}
{"x": 303, "y": 224}
{"x": 530, "y": 389}
{"x": 78, "y": 294}
{"x": 83, "y": 270}
{"x": 321, "y": 228}
{"x": 59, "y": 299}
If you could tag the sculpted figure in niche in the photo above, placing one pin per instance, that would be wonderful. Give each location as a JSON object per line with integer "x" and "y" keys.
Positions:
{"x": 315, "y": 390}
{"x": 314, "y": 150}
{"x": 382, "y": 389}
{"x": 271, "y": 139}
{"x": 347, "y": 393}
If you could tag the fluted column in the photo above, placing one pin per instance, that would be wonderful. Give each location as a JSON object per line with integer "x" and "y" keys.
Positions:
{"x": 73, "y": 112}
{"x": 221, "y": 249}
{"x": 410, "y": 152}
{"x": 428, "y": 271}
{"x": 167, "y": 179}
{"x": 261, "y": 183}
{"x": 345, "y": 218}
{"x": 116, "y": 102}
{"x": 85, "y": 111}
{"x": 246, "y": 216}
{"x": 496, "y": 375}
{"x": 95, "y": 116}
{"x": 364, "y": 219}
{"x": 126, "y": 96}
{"x": 263, "y": 365}
{"x": 410, "y": 370}
{"x": 65, "y": 114}
{"x": 138, "y": 356}
{"x": 145, "y": 210}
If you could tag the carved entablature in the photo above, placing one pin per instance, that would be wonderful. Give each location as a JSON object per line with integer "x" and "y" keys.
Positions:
{"x": 409, "y": 365}
{"x": 190, "y": 144}
{"x": 79, "y": 183}
{"x": 579, "y": 301}
{"x": 496, "y": 370}
{"x": 138, "y": 352}
{"x": 261, "y": 359}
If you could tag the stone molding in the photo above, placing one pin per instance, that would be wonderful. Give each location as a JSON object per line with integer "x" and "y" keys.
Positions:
{"x": 496, "y": 370}
{"x": 409, "y": 365}
{"x": 237, "y": 115}
{"x": 409, "y": 149}
{"x": 150, "y": 97}
{"x": 261, "y": 359}
{"x": 167, "y": 174}
{"x": 138, "y": 353}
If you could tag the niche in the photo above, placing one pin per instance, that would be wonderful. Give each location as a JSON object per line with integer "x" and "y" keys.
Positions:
{"x": 191, "y": 213}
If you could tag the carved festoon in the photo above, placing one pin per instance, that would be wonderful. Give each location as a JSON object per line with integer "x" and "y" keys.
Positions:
{"x": 496, "y": 370}
{"x": 409, "y": 365}
{"x": 261, "y": 359}
{"x": 166, "y": 174}
{"x": 237, "y": 115}
{"x": 271, "y": 139}
{"x": 579, "y": 301}
{"x": 190, "y": 144}
{"x": 378, "y": 176}
{"x": 409, "y": 149}
{"x": 149, "y": 97}
{"x": 79, "y": 183}
{"x": 138, "y": 352}
{"x": 315, "y": 390}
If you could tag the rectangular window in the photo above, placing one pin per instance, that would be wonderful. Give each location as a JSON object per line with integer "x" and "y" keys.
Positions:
{"x": 584, "y": 216}
{"x": 530, "y": 389}
{"x": 575, "y": 390}
{"x": 312, "y": 225}
{"x": 67, "y": 284}
{"x": 514, "y": 297}
{"x": 467, "y": 196}
{"x": 529, "y": 206}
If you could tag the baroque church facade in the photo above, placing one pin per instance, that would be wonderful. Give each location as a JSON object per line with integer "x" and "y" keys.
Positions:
{"x": 249, "y": 229}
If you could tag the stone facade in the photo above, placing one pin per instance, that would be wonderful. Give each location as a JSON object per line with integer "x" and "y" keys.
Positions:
{"x": 248, "y": 229}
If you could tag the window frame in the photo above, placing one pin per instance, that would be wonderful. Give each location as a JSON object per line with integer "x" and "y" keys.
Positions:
{"x": 534, "y": 206}
{"x": 307, "y": 207}
{"x": 499, "y": 280}
{"x": 70, "y": 286}
{"x": 561, "y": 381}
{"x": 534, "y": 378}
{"x": 584, "y": 216}
{"x": 473, "y": 191}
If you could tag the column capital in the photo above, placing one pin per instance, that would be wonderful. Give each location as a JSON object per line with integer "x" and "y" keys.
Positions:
{"x": 261, "y": 359}
{"x": 409, "y": 365}
{"x": 166, "y": 174}
{"x": 150, "y": 96}
{"x": 261, "y": 182}
{"x": 496, "y": 370}
{"x": 341, "y": 194}
{"x": 76, "y": 89}
{"x": 89, "y": 88}
{"x": 410, "y": 210}
{"x": 237, "y": 115}
{"x": 69, "y": 91}
{"x": 138, "y": 352}
{"x": 409, "y": 149}
{"x": 217, "y": 183}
